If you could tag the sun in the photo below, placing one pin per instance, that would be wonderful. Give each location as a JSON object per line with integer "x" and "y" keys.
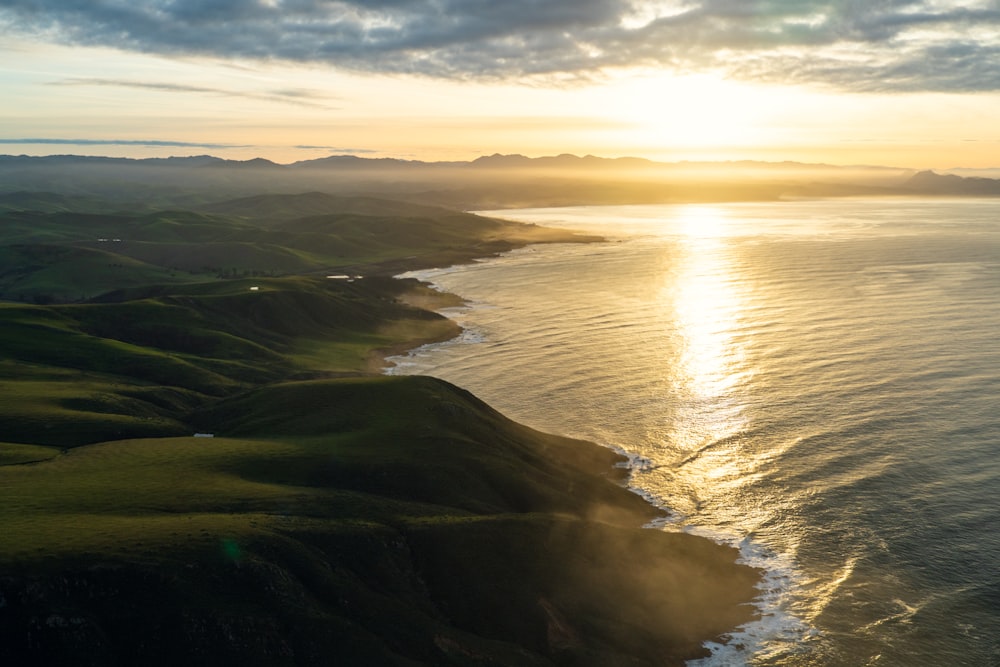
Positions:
{"x": 695, "y": 111}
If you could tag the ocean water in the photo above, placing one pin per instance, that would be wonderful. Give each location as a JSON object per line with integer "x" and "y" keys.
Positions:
{"x": 814, "y": 382}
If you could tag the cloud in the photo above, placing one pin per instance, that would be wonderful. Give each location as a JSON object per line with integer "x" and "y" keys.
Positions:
{"x": 114, "y": 142}
{"x": 890, "y": 45}
{"x": 297, "y": 97}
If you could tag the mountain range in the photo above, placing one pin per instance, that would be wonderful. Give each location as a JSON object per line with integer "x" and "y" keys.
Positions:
{"x": 488, "y": 182}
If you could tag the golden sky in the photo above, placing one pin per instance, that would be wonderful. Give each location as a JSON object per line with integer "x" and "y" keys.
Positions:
{"x": 910, "y": 83}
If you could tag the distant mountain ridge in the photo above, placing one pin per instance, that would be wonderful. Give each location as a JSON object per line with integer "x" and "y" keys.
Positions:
{"x": 489, "y": 182}
{"x": 951, "y": 184}
{"x": 494, "y": 161}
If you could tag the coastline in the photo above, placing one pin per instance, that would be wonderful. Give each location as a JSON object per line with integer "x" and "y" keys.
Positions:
{"x": 620, "y": 473}
{"x": 440, "y": 530}
{"x": 438, "y": 330}
{"x": 379, "y": 520}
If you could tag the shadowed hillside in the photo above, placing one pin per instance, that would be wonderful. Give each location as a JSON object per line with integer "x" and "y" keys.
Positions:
{"x": 334, "y": 516}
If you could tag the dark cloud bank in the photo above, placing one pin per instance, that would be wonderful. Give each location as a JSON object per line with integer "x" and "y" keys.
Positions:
{"x": 892, "y": 45}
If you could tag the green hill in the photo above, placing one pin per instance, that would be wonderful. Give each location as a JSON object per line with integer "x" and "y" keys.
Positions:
{"x": 335, "y": 516}
{"x": 51, "y": 202}
{"x": 47, "y": 260}
{"x": 274, "y": 208}
{"x": 201, "y": 339}
{"x": 368, "y": 521}
{"x": 45, "y": 273}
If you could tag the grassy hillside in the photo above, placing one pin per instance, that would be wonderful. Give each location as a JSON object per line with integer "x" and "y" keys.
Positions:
{"x": 53, "y": 255}
{"x": 368, "y": 520}
{"x": 136, "y": 361}
{"x": 335, "y": 516}
{"x": 271, "y": 208}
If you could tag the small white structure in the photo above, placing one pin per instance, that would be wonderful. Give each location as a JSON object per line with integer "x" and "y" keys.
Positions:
{"x": 204, "y": 435}
{"x": 254, "y": 289}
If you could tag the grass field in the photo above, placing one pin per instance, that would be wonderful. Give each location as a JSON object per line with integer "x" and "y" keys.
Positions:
{"x": 336, "y": 516}
{"x": 404, "y": 495}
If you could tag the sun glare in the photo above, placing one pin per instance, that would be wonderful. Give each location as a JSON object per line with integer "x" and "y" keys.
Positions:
{"x": 706, "y": 297}
{"x": 706, "y": 305}
{"x": 700, "y": 111}
{"x": 702, "y": 222}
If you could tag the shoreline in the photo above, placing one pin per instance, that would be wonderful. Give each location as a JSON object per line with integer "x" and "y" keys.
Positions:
{"x": 623, "y": 472}
{"x": 332, "y": 515}
{"x": 419, "y": 295}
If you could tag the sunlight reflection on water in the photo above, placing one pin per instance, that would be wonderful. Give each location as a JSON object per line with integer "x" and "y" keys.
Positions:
{"x": 813, "y": 382}
{"x": 704, "y": 299}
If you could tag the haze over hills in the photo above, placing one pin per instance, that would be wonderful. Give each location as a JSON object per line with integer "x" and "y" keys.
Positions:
{"x": 929, "y": 182}
{"x": 489, "y": 182}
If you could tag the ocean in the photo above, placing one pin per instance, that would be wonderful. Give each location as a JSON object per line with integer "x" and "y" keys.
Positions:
{"x": 816, "y": 383}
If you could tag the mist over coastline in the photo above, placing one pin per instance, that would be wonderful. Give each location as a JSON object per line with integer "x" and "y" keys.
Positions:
{"x": 491, "y": 182}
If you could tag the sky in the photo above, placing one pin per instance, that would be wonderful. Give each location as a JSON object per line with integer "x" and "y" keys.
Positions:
{"x": 906, "y": 83}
